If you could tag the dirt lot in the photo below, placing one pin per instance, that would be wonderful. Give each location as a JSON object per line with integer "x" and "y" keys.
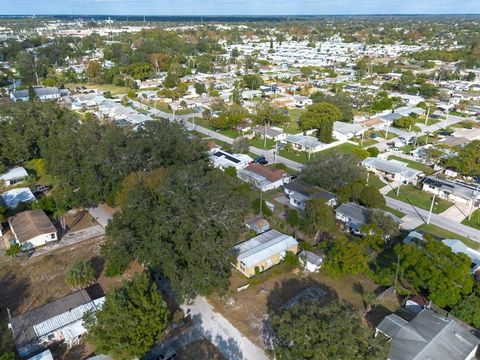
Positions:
{"x": 247, "y": 310}
{"x": 199, "y": 350}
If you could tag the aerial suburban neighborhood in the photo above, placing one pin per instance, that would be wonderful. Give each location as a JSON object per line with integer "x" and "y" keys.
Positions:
{"x": 239, "y": 187}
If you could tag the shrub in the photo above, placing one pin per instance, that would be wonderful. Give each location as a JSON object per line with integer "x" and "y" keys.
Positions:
{"x": 13, "y": 250}
{"x": 80, "y": 274}
{"x": 256, "y": 207}
{"x": 291, "y": 259}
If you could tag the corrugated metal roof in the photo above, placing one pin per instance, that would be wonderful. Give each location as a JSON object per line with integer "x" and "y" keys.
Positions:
{"x": 264, "y": 246}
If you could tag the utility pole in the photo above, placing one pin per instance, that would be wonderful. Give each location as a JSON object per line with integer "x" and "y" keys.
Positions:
{"x": 428, "y": 114}
{"x": 396, "y": 275}
{"x": 431, "y": 209}
{"x": 368, "y": 177}
{"x": 448, "y": 113}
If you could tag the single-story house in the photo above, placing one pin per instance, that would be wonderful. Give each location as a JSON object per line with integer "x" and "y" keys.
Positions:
{"x": 32, "y": 229}
{"x": 263, "y": 251}
{"x": 414, "y": 237}
{"x": 58, "y": 321}
{"x": 428, "y": 336}
{"x": 389, "y": 118}
{"x": 457, "y": 192}
{"x": 272, "y": 133}
{"x": 459, "y": 247}
{"x": 12, "y": 198}
{"x": 223, "y": 159}
{"x": 470, "y": 134}
{"x": 374, "y": 124}
{"x": 299, "y": 193}
{"x": 263, "y": 177}
{"x": 305, "y": 143}
{"x": 41, "y": 93}
{"x": 392, "y": 169}
{"x": 345, "y": 131}
{"x": 14, "y": 176}
{"x": 353, "y": 216}
{"x": 311, "y": 261}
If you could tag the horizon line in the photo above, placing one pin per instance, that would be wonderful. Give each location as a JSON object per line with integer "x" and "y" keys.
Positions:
{"x": 242, "y": 15}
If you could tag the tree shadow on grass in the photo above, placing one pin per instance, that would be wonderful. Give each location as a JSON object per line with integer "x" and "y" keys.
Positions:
{"x": 14, "y": 289}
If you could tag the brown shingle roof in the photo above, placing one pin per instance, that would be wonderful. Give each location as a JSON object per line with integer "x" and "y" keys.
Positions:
{"x": 270, "y": 174}
{"x": 29, "y": 224}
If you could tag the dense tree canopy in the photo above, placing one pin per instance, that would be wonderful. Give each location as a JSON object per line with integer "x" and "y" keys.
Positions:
{"x": 318, "y": 330}
{"x": 320, "y": 116}
{"x": 185, "y": 223}
{"x": 467, "y": 161}
{"x": 342, "y": 101}
{"x": 435, "y": 268}
{"x": 132, "y": 319}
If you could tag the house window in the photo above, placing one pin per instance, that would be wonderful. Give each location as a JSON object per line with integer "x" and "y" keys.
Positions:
{"x": 53, "y": 236}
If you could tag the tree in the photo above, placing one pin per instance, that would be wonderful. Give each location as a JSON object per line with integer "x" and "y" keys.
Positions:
{"x": 292, "y": 218}
{"x": 324, "y": 330}
{"x": 320, "y": 116}
{"x": 93, "y": 71}
{"x": 346, "y": 257}
{"x": 252, "y": 81}
{"x": 241, "y": 145}
{"x": 334, "y": 170}
{"x": 385, "y": 222}
{"x": 264, "y": 209}
{"x": 372, "y": 198}
{"x": 132, "y": 319}
{"x": 404, "y": 122}
{"x": 467, "y": 161}
{"x": 373, "y": 151}
{"x": 80, "y": 274}
{"x": 433, "y": 267}
{"x": 200, "y": 88}
{"x": 468, "y": 310}
{"x": 319, "y": 219}
{"x": 193, "y": 215}
{"x": 266, "y": 113}
{"x": 340, "y": 100}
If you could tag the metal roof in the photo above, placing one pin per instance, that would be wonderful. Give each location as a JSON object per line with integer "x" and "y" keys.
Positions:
{"x": 347, "y": 128}
{"x": 459, "y": 247}
{"x": 391, "y": 167}
{"x": 357, "y": 214}
{"x": 303, "y": 140}
{"x": 463, "y": 190}
{"x": 13, "y": 197}
{"x": 391, "y": 325}
{"x": 264, "y": 246}
{"x": 14, "y": 174}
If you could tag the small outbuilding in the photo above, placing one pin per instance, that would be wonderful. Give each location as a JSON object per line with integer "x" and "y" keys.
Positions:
{"x": 32, "y": 229}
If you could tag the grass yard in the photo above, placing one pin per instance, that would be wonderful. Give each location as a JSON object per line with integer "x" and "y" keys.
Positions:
{"x": 115, "y": 90}
{"x": 247, "y": 309}
{"x": 382, "y": 134}
{"x": 445, "y": 234}
{"x": 374, "y": 180}
{"x": 430, "y": 122}
{"x": 302, "y": 157}
{"x": 413, "y": 164}
{"x": 395, "y": 212}
{"x": 259, "y": 143}
{"x": 422, "y": 199}
{"x": 474, "y": 222}
{"x": 231, "y": 133}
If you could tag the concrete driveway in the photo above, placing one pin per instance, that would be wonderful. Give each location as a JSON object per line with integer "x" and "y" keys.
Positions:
{"x": 220, "y": 332}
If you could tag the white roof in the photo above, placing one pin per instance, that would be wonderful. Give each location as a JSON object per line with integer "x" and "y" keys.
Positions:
{"x": 305, "y": 141}
{"x": 68, "y": 318}
{"x": 347, "y": 128}
{"x": 391, "y": 167}
{"x": 14, "y": 197}
{"x": 459, "y": 247}
{"x": 14, "y": 174}
{"x": 264, "y": 246}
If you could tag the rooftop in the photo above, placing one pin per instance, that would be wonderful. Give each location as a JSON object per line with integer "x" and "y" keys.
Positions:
{"x": 13, "y": 197}
{"x": 356, "y": 213}
{"x": 391, "y": 167}
{"x": 14, "y": 174}
{"x": 29, "y": 224}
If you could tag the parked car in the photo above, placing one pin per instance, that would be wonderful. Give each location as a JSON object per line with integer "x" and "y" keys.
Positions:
{"x": 167, "y": 354}
{"x": 40, "y": 189}
{"x": 261, "y": 160}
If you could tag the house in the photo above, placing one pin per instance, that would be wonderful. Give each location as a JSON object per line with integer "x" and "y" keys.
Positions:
{"x": 414, "y": 237}
{"x": 13, "y": 176}
{"x": 454, "y": 191}
{"x": 259, "y": 225}
{"x": 222, "y": 159}
{"x": 263, "y": 177}
{"x": 353, "y": 216}
{"x": 299, "y": 193}
{"x": 305, "y": 143}
{"x": 345, "y": 131}
{"x": 12, "y": 198}
{"x": 271, "y": 133}
{"x": 389, "y": 118}
{"x": 41, "y": 93}
{"x": 416, "y": 303}
{"x": 428, "y": 336}
{"x": 392, "y": 169}
{"x": 263, "y": 251}
{"x": 459, "y": 247}
{"x": 469, "y": 134}
{"x": 374, "y": 124}
{"x": 32, "y": 229}
{"x": 58, "y": 321}
{"x": 311, "y": 261}
{"x": 44, "y": 355}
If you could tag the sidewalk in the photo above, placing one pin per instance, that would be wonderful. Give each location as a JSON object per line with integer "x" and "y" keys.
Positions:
{"x": 457, "y": 212}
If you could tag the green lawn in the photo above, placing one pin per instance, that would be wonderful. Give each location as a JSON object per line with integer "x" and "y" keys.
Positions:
{"x": 383, "y": 132}
{"x": 422, "y": 199}
{"x": 231, "y": 133}
{"x": 259, "y": 143}
{"x": 374, "y": 180}
{"x": 445, "y": 234}
{"x": 395, "y": 212}
{"x": 292, "y": 126}
{"x": 413, "y": 164}
{"x": 474, "y": 221}
{"x": 302, "y": 157}
{"x": 421, "y": 121}
{"x": 115, "y": 90}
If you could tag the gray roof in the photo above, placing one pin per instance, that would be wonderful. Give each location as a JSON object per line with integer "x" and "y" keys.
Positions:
{"x": 23, "y": 325}
{"x": 391, "y": 117}
{"x": 347, "y": 128}
{"x": 309, "y": 191}
{"x": 303, "y": 140}
{"x": 269, "y": 131}
{"x": 391, "y": 167}
{"x": 312, "y": 258}
{"x": 466, "y": 191}
{"x": 391, "y": 325}
{"x": 356, "y": 213}
{"x": 264, "y": 246}
{"x": 428, "y": 336}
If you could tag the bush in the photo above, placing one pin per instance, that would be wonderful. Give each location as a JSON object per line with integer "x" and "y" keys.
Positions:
{"x": 80, "y": 274}
{"x": 13, "y": 250}
{"x": 291, "y": 259}
{"x": 304, "y": 245}
{"x": 256, "y": 207}
{"x": 231, "y": 171}
{"x": 373, "y": 151}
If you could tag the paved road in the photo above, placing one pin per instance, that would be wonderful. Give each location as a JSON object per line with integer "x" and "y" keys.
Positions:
{"x": 215, "y": 328}
{"x": 190, "y": 335}
{"x": 415, "y": 213}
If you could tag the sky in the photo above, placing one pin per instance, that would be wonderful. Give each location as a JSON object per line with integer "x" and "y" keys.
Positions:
{"x": 237, "y": 7}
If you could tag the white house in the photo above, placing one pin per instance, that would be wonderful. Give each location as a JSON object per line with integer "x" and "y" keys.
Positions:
{"x": 263, "y": 177}
{"x": 345, "y": 131}
{"x": 353, "y": 216}
{"x": 311, "y": 261}
{"x": 14, "y": 176}
{"x": 392, "y": 169}
{"x": 459, "y": 247}
{"x": 457, "y": 192}
{"x": 55, "y": 322}
{"x": 41, "y": 93}
{"x": 271, "y": 133}
{"x": 223, "y": 159}
{"x": 12, "y": 198}
{"x": 305, "y": 143}
{"x": 32, "y": 229}
{"x": 299, "y": 193}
